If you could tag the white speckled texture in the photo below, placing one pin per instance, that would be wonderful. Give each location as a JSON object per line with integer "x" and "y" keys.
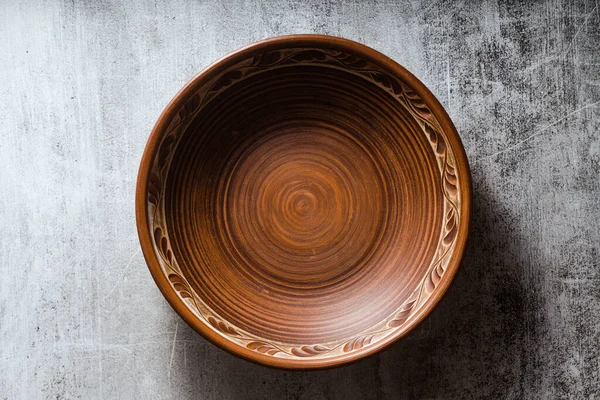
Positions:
{"x": 82, "y": 84}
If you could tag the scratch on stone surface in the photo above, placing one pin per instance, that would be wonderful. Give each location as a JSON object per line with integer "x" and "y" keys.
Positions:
{"x": 173, "y": 349}
{"x": 184, "y": 354}
{"x": 579, "y": 30}
{"x": 66, "y": 348}
{"x": 536, "y": 133}
{"x": 137, "y": 334}
{"x": 122, "y": 274}
{"x": 538, "y": 64}
{"x": 133, "y": 375}
{"x": 558, "y": 56}
{"x": 480, "y": 101}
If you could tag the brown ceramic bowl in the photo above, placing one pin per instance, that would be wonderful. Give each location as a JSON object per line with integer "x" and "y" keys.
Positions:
{"x": 303, "y": 202}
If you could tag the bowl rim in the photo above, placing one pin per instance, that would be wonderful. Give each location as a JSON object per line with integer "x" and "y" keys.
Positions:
{"x": 177, "y": 102}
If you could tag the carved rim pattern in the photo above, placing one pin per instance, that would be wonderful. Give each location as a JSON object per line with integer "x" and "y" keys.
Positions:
{"x": 333, "y": 53}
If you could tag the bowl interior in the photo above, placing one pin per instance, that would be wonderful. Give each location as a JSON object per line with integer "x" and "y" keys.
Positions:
{"x": 304, "y": 203}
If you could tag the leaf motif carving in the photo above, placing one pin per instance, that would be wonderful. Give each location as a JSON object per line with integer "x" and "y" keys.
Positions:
{"x": 158, "y": 240}
{"x": 450, "y": 180}
{"x": 387, "y": 82}
{"x": 164, "y": 151}
{"x": 180, "y": 286}
{"x": 309, "y": 351}
{"x": 451, "y": 230}
{"x": 358, "y": 343}
{"x": 436, "y": 140}
{"x": 351, "y": 60}
{"x": 222, "y": 327}
{"x": 308, "y": 55}
{"x": 403, "y": 314}
{"x": 154, "y": 189}
{"x": 417, "y": 103}
{"x": 266, "y": 59}
{"x": 434, "y": 277}
{"x": 157, "y": 236}
{"x": 226, "y": 80}
{"x": 163, "y": 245}
{"x": 263, "y": 347}
{"x": 451, "y": 227}
{"x": 189, "y": 108}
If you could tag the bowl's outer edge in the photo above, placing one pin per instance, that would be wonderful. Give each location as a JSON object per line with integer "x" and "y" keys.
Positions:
{"x": 181, "y": 97}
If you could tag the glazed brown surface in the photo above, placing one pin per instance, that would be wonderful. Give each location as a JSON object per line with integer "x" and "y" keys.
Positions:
{"x": 304, "y": 202}
{"x": 310, "y": 215}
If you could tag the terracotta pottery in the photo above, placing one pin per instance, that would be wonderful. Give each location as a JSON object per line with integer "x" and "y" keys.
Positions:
{"x": 303, "y": 202}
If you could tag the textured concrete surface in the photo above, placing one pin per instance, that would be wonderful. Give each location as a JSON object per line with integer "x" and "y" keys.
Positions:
{"x": 82, "y": 84}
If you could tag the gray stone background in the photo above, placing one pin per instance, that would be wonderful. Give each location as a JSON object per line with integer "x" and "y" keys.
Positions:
{"x": 82, "y": 83}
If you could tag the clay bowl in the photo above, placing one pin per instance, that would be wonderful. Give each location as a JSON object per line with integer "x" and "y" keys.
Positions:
{"x": 303, "y": 202}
